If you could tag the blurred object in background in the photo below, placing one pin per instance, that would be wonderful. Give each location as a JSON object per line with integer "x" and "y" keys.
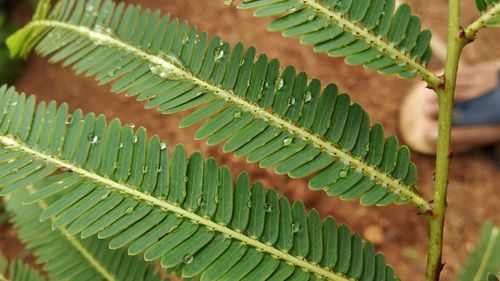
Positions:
{"x": 9, "y": 68}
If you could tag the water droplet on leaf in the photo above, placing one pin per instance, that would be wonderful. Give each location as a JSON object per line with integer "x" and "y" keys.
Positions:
{"x": 343, "y": 174}
{"x": 287, "y": 141}
{"x": 93, "y": 138}
{"x": 307, "y": 96}
{"x": 187, "y": 259}
{"x": 280, "y": 84}
{"x": 89, "y": 7}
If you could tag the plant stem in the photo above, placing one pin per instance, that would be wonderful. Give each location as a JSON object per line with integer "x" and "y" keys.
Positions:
{"x": 456, "y": 42}
{"x": 473, "y": 28}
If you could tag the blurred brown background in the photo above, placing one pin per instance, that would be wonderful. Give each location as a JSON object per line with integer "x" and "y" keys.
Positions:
{"x": 396, "y": 230}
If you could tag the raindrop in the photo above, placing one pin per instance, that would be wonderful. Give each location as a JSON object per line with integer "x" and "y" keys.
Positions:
{"x": 291, "y": 101}
{"x": 13, "y": 103}
{"x": 367, "y": 147}
{"x": 280, "y": 83}
{"x": 121, "y": 146}
{"x": 129, "y": 210}
{"x": 89, "y": 7}
{"x": 218, "y": 53}
{"x": 158, "y": 168}
{"x": 134, "y": 139}
{"x": 154, "y": 69}
{"x": 287, "y": 141}
{"x": 295, "y": 227}
{"x": 68, "y": 120}
{"x": 163, "y": 74}
{"x": 144, "y": 169}
{"x": 307, "y": 96}
{"x": 132, "y": 125}
{"x": 187, "y": 259}
{"x": 268, "y": 208}
{"x": 163, "y": 146}
{"x": 186, "y": 179}
{"x": 343, "y": 174}
{"x": 93, "y": 138}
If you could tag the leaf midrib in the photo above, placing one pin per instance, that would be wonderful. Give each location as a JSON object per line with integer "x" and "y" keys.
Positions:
{"x": 376, "y": 41}
{"x": 14, "y": 144}
{"x": 78, "y": 246}
{"x": 379, "y": 176}
{"x": 487, "y": 254}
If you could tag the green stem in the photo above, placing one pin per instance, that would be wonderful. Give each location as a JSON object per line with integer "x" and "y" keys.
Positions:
{"x": 474, "y": 27}
{"x": 456, "y": 42}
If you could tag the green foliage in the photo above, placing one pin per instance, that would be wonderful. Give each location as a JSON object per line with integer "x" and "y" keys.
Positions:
{"x": 485, "y": 7}
{"x": 276, "y": 119}
{"x": 485, "y": 258}
{"x": 184, "y": 211}
{"x": 17, "y": 270}
{"x": 371, "y": 33}
{"x": 66, "y": 257}
{"x": 9, "y": 68}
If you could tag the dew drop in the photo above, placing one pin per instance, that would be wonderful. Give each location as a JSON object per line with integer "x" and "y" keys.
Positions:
{"x": 343, "y": 174}
{"x": 163, "y": 74}
{"x": 134, "y": 139}
{"x": 218, "y": 53}
{"x": 186, "y": 179}
{"x": 158, "y": 168}
{"x": 280, "y": 83}
{"x": 144, "y": 169}
{"x": 295, "y": 227}
{"x": 93, "y": 138}
{"x": 132, "y": 125}
{"x": 14, "y": 103}
{"x": 154, "y": 69}
{"x": 268, "y": 208}
{"x": 291, "y": 101}
{"x": 121, "y": 146}
{"x": 68, "y": 120}
{"x": 287, "y": 141}
{"x": 187, "y": 259}
{"x": 307, "y": 96}
{"x": 89, "y": 7}
{"x": 129, "y": 210}
{"x": 163, "y": 146}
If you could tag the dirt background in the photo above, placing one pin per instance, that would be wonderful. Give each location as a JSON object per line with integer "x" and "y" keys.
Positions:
{"x": 396, "y": 230}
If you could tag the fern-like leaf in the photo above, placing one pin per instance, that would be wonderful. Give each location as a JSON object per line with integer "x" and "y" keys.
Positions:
{"x": 485, "y": 258}
{"x": 371, "y": 33}
{"x": 17, "y": 270}
{"x": 66, "y": 257}
{"x": 180, "y": 210}
{"x": 274, "y": 119}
